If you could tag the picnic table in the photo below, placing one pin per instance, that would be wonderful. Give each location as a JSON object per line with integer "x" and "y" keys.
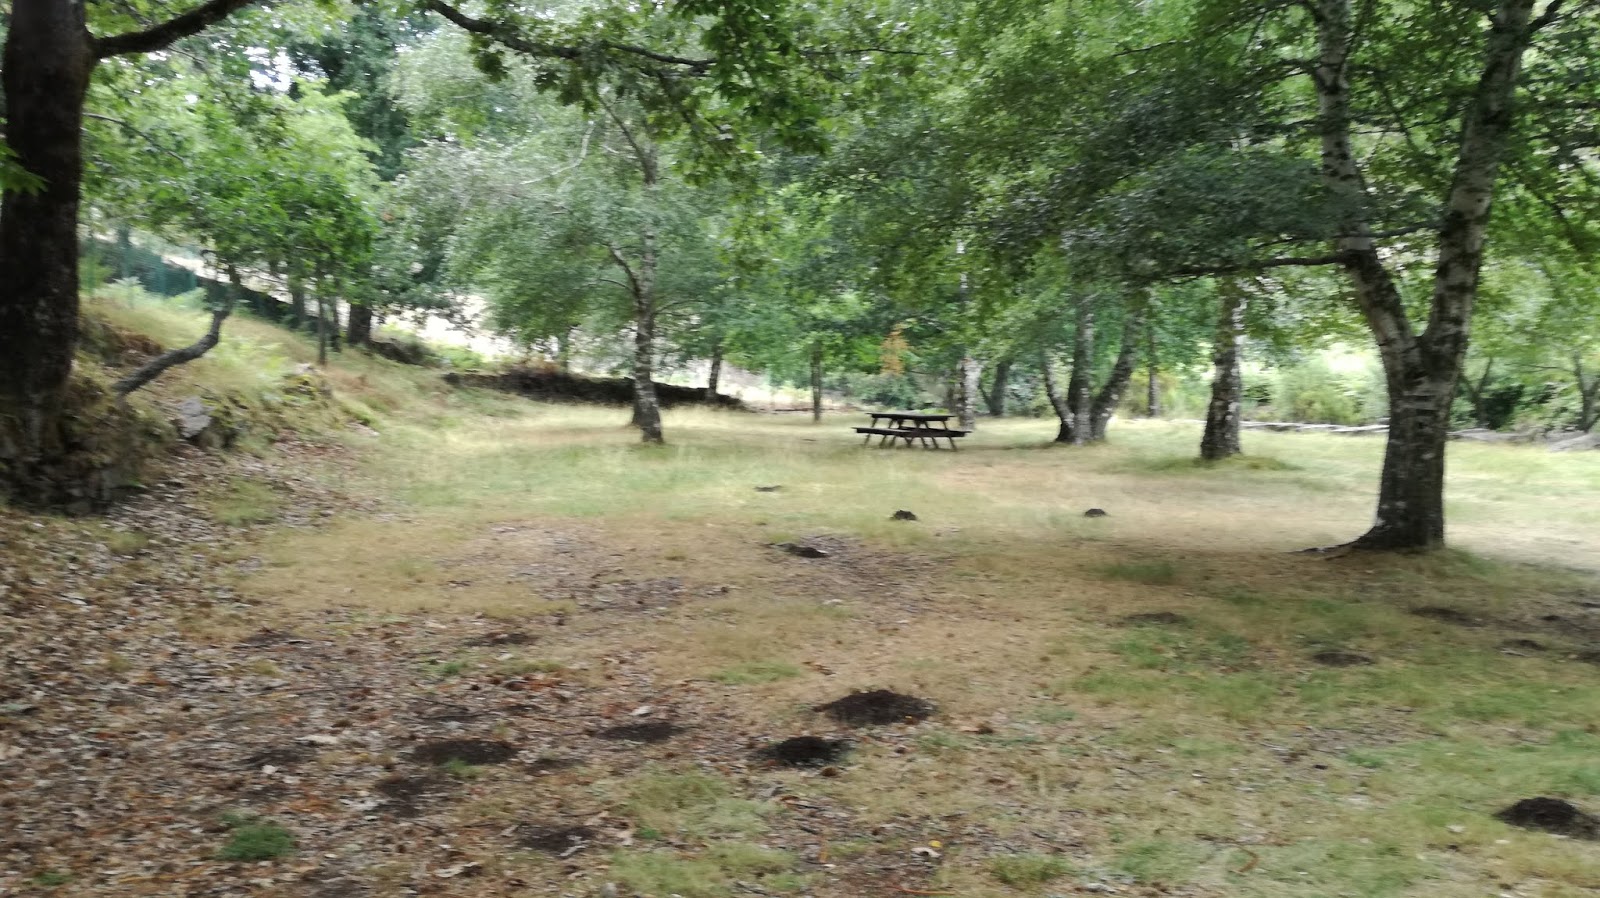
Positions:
{"x": 913, "y": 427}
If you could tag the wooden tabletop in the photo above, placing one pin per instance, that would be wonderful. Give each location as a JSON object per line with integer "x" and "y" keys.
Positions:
{"x": 909, "y": 416}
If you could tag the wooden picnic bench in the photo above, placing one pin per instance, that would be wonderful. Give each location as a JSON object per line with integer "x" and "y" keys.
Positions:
{"x": 913, "y": 427}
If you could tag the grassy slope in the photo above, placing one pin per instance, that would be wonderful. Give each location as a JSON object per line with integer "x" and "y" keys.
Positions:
{"x": 1209, "y": 756}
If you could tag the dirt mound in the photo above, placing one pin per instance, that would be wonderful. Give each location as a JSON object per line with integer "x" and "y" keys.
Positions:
{"x": 805, "y": 751}
{"x": 1160, "y": 618}
{"x": 468, "y": 751}
{"x": 1522, "y": 645}
{"x": 650, "y": 731}
{"x": 880, "y": 706}
{"x": 405, "y": 793}
{"x": 550, "y": 765}
{"x": 563, "y": 841}
{"x": 1552, "y": 815}
{"x": 1447, "y": 615}
{"x": 558, "y": 386}
{"x": 1341, "y": 659}
{"x": 1590, "y": 656}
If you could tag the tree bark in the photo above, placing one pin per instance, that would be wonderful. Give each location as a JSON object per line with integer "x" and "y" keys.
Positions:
{"x": 47, "y": 63}
{"x": 1078, "y": 427}
{"x": 167, "y": 360}
{"x": 1110, "y": 394}
{"x": 48, "y": 59}
{"x": 358, "y": 326}
{"x": 297, "y": 296}
{"x": 715, "y": 374}
{"x": 968, "y": 373}
{"x": 1221, "y": 438}
{"x": 322, "y": 325}
{"x": 816, "y": 381}
{"x": 1421, "y": 370}
{"x": 996, "y": 397}
{"x": 1052, "y": 391}
{"x": 1152, "y": 394}
{"x": 1588, "y": 395}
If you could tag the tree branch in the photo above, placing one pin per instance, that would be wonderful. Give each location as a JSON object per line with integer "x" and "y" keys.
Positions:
{"x": 1256, "y": 265}
{"x": 509, "y": 37}
{"x": 158, "y": 36}
{"x": 136, "y": 132}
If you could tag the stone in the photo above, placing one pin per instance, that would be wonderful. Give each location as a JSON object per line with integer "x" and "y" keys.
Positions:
{"x": 903, "y": 515}
{"x": 1096, "y": 513}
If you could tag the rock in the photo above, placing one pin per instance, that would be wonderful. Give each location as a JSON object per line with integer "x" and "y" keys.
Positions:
{"x": 1364, "y": 430}
{"x": 903, "y": 515}
{"x": 1577, "y": 443}
{"x": 193, "y": 418}
{"x": 1096, "y": 513}
{"x": 801, "y": 550}
{"x": 1552, "y": 815}
{"x": 768, "y": 489}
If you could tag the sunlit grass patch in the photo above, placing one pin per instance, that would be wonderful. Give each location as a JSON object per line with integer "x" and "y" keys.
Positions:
{"x": 756, "y": 672}
{"x": 693, "y": 804}
{"x": 711, "y": 874}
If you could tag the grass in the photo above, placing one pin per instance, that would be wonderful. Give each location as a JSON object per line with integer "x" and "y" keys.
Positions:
{"x": 254, "y": 839}
{"x": 1024, "y": 870}
{"x": 1214, "y": 757}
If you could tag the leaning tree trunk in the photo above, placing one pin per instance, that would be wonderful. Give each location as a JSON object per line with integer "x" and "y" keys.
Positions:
{"x": 1080, "y": 386}
{"x": 1421, "y": 370}
{"x": 322, "y": 326}
{"x": 1477, "y": 394}
{"x": 213, "y": 335}
{"x": 996, "y": 397}
{"x": 297, "y": 297}
{"x": 715, "y": 374}
{"x": 1221, "y": 439}
{"x": 47, "y": 63}
{"x": 967, "y": 392}
{"x": 358, "y": 326}
{"x": 816, "y": 382}
{"x": 1058, "y": 400}
{"x": 1105, "y": 401}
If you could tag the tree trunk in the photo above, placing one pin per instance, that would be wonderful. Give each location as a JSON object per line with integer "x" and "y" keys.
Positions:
{"x": 1052, "y": 391}
{"x": 172, "y": 359}
{"x": 1080, "y": 386}
{"x": 1475, "y": 391}
{"x": 715, "y": 374}
{"x": 297, "y": 296}
{"x": 1221, "y": 439}
{"x": 968, "y": 391}
{"x": 358, "y": 327}
{"x": 1105, "y": 401}
{"x": 46, "y": 67}
{"x": 1421, "y": 370}
{"x": 1588, "y": 395}
{"x": 996, "y": 397}
{"x": 1152, "y": 394}
{"x": 816, "y": 382}
{"x": 322, "y": 325}
{"x": 646, "y": 406}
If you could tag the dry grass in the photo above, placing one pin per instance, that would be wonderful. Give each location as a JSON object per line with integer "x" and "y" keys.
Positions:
{"x": 1209, "y": 753}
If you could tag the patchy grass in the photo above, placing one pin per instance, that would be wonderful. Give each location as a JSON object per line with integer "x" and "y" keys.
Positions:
{"x": 712, "y": 874}
{"x": 244, "y": 502}
{"x": 756, "y": 672}
{"x": 1025, "y": 870}
{"x": 254, "y": 839}
{"x": 1213, "y": 756}
{"x": 1150, "y": 573}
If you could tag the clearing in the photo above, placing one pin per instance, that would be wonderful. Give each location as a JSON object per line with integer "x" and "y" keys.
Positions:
{"x": 497, "y": 648}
